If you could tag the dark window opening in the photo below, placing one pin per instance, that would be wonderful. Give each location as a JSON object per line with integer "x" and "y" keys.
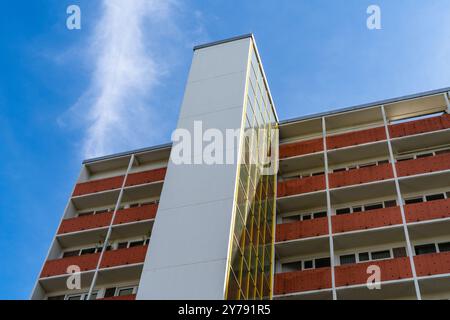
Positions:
{"x": 320, "y": 215}
{"x": 308, "y": 264}
{"x": 357, "y": 209}
{"x": 323, "y": 263}
{"x": 425, "y": 249}
{"x": 444, "y": 247}
{"x": 110, "y": 292}
{"x": 364, "y": 256}
{"x": 425, "y": 155}
{"x": 137, "y": 243}
{"x": 399, "y": 252}
{"x": 373, "y": 207}
{"x": 291, "y": 266}
{"x": 381, "y": 255}
{"x": 390, "y": 203}
{"x": 340, "y": 170}
{"x": 343, "y": 211}
{"x": 122, "y": 245}
{"x": 414, "y": 200}
{"x": 348, "y": 259}
{"x": 87, "y": 251}
{"x": 71, "y": 253}
{"x": 306, "y": 217}
{"x": 435, "y": 197}
{"x": 125, "y": 292}
{"x": 56, "y": 298}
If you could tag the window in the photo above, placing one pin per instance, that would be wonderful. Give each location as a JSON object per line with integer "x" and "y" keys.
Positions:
{"x": 308, "y": 264}
{"x": 122, "y": 245}
{"x": 444, "y": 247}
{"x": 379, "y": 255}
{"x": 87, "y": 251}
{"x": 318, "y": 174}
{"x": 306, "y": 217}
{"x": 357, "y": 209}
{"x": 448, "y": 195}
{"x": 383, "y": 162}
{"x": 405, "y": 159}
{"x": 109, "y": 292}
{"x": 136, "y": 243}
{"x": 348, "y": 259}
{"x": 435, "y": 197}
{"x": 425, "y": 249}
{"x": 125, "y": 292}
{"x": 134, "y": 205}
{"x": 56, "y": 298}
{"x": 320, "y": 215}
{"x": 343, "y": 211}
{"x": 340, "y": 170}
{"x": 390, "y": 203}
{"x": 323, "y": 263}
{"x": 399, "y": 252}
{"x": 373, "y": 207}
{"x": 84, "y": 214}
{"x": 291, "y": 266}
{"x": 364, "y": 256}
{"x": 71, "y": 253}
{"x": 367, "y": 165}
{"x": 291, "y": 219}
{"x": 413, "y": 200}
{"x": 93, "y": 296}
{"x": 75, "y": 297}
{"x": 101, "y": 211}
{"x": 442, "y": 152}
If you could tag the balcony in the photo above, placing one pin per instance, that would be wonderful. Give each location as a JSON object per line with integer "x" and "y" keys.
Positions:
{"x": 142, "y": 213}
{"x": 356, "y": 138}
{"x": 355, "y": 274}
{"x": 366, "y": 220}
{"x": 301, "y": 229}
{"x": 59, "y": 266}
{"x": 123, "y": 257}
{"x": 145, "y": 177}
{"x": 420, "y": 126}
{"x": 98, "y": 186}
{"x": 302, "y": 281}
{"x": 431, "y": 210}
{"x": 85, "y": 223}
{"x": 359, "y": 176}
{"x": 300, "y": 186}
{"x": 113, "y": 183}
{"x": 301, "y": 148}
{"x": 424, "y": 165}
{"x": 432, "y": 264}
{"x": 146, "y": 212}
{"x": 89, "y": 261}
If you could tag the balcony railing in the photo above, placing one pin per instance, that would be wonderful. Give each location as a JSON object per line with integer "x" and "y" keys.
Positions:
{"x": 430, "y": 210}
{"x": 59, "y": 266}
{"x": 150, "y": 176}
{"x": 88, "y": 262}
{"x": 145, "y": 212}
{"x": 366, "y": 220}
{"x": 424, "y": 165}
{"x": 354, "y": 274}
{"x": 302, "y": 281}
{"x": 300, "y": 185}
{"x": 358, "y": 176}
{"x": 432, "y": 264}
{"x": 123, "y": 257}
{"x": 301, "y": 229}
{"x": 113, "y": 183}
{"x": 420, "y": 126}
{"x": 98, "y": 186}
{"x": 85, "y": 223}
{"x": 301, "y": 148}
{"x": 356, "y": 138}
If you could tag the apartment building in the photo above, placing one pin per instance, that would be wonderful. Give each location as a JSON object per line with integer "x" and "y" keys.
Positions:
{"x": 360, "y": 189}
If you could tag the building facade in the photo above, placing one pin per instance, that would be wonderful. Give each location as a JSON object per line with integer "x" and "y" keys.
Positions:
{"x": 356, "y": 193}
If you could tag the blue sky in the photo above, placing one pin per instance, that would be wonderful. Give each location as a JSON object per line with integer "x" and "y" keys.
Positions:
{"x": 56, "y": 105}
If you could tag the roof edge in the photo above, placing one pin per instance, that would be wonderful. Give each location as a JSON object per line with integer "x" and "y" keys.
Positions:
{"x": 214, "y": 43}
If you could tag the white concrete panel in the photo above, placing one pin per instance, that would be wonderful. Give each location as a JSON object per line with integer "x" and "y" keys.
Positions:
{"x": 212, "y": 95}
{"x": 227, "y": 58}
{"x": 203, "y": 281}
{"x": 204, "y": 243}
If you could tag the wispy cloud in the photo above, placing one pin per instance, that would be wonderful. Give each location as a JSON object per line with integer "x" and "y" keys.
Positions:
{"x": 115, "y": 108}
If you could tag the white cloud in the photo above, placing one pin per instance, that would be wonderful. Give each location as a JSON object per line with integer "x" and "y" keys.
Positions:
{"x": 116, "y": 108}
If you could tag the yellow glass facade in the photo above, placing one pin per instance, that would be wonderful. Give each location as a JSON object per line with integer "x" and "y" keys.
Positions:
{"x": 252, "y": 248}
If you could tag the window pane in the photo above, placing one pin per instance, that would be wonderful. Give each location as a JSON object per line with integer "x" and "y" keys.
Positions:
{"x": 87, "y": 251}
{"x": 444, "y": 247}
{"x": 399, "y": 252}
{"x": 323, "y": 263}
{"x": 390, "y": 204}
{"x": 343, "y": 211}
{"x": 364, "y": 256}
{"x": 110, "y": 292}
{"x": 291, "y": 266}
{"x": 373, "y": 206}
{"x": 357, "y": 209}
{"x": 136, "y": 243}
{"x": 56, "y": 298}
{"x": 435, "y": 197}
{"x": 348, "y": 259}
{"x": 425, "y": 249}
{"x": 381, "y": 255}
{"x": 308, "y": 265}
{"x": 413, "y": 200}
{"x": 70, "y": 253}
{"x": 125, "y": 292}
{"x": 320, "y": 215}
